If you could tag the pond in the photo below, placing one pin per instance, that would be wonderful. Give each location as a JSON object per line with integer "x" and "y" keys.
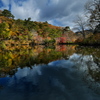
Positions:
{"x": 61, "y": 72}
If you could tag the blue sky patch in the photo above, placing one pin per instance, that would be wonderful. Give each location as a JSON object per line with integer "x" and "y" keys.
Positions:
{"x": 1, "y": 4}
{"x": 58, "y": 23}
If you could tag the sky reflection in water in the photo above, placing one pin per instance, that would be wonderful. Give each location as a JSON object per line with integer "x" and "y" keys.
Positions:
{"x": 57, "y": 80}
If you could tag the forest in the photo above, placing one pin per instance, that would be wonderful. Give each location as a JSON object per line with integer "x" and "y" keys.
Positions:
{"x": 17, "y": 31}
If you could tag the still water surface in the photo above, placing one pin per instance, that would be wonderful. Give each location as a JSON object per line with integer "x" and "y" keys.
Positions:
{"x": 50, "y": 73}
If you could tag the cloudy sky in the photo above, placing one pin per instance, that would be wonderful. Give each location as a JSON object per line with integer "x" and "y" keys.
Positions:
{"x": 56, "y": 12}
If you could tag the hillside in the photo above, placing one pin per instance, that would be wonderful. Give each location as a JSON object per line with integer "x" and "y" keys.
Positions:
{"x": 15, "y": 30}
{"x": 18, "y": 31}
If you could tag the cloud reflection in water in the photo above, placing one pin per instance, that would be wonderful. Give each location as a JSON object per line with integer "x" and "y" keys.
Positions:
{"x": 58, "y": 80}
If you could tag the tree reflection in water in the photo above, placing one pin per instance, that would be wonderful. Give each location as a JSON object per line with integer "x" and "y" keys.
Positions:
{"x": 11, "y": 59}
{"x": 89, "y": 69}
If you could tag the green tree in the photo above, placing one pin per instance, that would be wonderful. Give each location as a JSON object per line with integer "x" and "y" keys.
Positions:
{"x": 54, "y": 33}
{"x": 28, "y": 24}
{"x": 7, "y": 13}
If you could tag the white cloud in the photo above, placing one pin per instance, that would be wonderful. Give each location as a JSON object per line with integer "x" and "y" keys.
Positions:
{"x": 57, "y": 12}
{"x": 27, "y": 9}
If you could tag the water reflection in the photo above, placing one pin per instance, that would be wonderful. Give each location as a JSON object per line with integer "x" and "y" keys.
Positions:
{"x": 51, "y": 74}
{"x": 89, "y": 69}
{"x": 11, "y": 59}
